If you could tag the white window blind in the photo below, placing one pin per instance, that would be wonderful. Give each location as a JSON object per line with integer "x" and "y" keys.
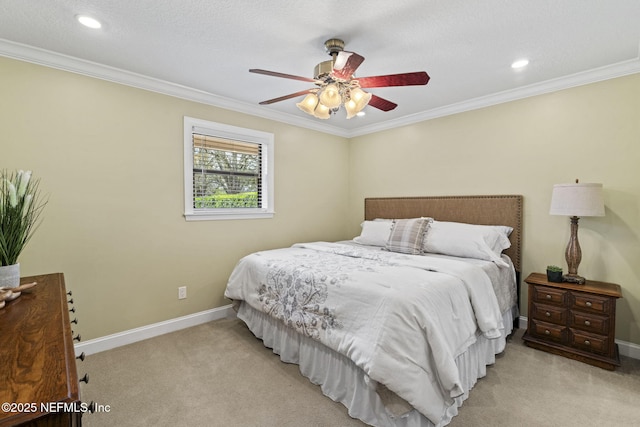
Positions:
{"x": 230, "y": 172}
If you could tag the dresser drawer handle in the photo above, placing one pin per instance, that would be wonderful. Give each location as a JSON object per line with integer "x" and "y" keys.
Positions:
{"x": 547, "y": 314}
{"x": 587, "y": 342}
{"x": 546, "y": 332}
{"x": 588, "y": 304}
{"x": 587, "y": 323}
{"x": 549, "y": 296}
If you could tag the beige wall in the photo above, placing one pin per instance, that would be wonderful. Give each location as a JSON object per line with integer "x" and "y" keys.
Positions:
{"x": 110, "y": 159}
{"x": 590, "y": 132}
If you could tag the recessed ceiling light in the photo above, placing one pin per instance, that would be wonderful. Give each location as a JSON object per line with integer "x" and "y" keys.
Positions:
{"x": 88, "y": 21}
{"x": 520, "y": 63}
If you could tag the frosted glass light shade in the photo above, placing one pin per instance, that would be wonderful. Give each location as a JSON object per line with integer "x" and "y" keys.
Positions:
{"x": 360, "y": 97}
{"x": 308, "y": 104}
{"x": 577, "y": 200}
{"x": 351, "y": 108}
{"x": 330, "y": 96}
{"x": 358, "y": 100}
{"x": 322, "y": 112}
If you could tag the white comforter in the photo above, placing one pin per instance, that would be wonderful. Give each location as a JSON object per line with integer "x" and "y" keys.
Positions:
{"x": 403, "y": 319}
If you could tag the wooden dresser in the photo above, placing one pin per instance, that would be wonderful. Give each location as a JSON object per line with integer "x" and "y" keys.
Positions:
{"x": 575, "y": 321}
{"x": 37, "y": 359}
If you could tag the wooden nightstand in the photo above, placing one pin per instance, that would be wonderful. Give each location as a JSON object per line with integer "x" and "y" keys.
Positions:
{"x": 574, "y": 321}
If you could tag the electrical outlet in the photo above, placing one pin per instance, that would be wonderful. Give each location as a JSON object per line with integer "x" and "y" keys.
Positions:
{"x": 182, "y": 292}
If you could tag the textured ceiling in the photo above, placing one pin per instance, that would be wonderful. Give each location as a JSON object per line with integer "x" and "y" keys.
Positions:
{"x": 207, "y": 47}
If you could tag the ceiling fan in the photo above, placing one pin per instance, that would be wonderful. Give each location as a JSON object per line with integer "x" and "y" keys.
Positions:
{"x": 337, "y": 85}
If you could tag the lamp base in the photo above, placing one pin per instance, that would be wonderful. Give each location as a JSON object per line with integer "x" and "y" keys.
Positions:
{"x": 574, "y": 278}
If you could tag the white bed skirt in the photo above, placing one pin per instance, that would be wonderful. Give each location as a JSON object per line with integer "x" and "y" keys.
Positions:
{"x": 342, "y": 381}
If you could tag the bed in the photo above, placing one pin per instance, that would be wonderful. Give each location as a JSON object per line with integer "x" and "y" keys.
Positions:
{"x": 396, "y": 334}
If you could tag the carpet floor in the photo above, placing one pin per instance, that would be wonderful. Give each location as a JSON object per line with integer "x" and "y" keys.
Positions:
{"x": 219, "y": 374}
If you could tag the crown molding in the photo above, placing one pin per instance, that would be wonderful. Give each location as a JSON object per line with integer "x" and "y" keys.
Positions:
{"x": 92, "y": 69}
{"x": 72, "y": 64}
{"x": 619, "y": 69}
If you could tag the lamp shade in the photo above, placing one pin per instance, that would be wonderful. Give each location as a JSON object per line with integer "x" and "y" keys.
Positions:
{"x": 577, "y": 200}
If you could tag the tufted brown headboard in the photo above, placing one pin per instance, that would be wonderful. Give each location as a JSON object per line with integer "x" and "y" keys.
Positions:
{"x": 485, "y": 210}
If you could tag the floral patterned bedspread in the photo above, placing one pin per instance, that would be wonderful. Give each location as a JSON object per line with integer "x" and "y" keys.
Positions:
{"x": 403, "y": 319}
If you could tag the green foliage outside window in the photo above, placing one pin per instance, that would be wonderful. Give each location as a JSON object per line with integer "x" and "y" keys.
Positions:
{"x": 241, "y": 200}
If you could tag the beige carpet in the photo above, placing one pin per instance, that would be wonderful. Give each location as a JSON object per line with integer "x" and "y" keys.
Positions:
{"x": 219, "y": 374}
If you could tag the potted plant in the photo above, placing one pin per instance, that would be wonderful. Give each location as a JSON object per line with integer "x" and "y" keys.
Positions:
{"x": 20, "y": 209}
{"x": 554, "y": 273}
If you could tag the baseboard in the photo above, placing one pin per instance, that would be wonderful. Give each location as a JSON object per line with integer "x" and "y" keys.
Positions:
{"x": 144, "y": 332}
{"x": 138, "y": 334}
{"x": 625, "y": 348}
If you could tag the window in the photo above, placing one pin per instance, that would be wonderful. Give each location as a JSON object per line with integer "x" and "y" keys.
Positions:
{"x": 228, "y": 171}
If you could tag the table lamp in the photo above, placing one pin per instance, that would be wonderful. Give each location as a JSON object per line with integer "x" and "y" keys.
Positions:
{"x": 576, "y": 200}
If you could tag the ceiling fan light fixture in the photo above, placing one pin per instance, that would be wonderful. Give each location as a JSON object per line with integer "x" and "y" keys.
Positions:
{"x": 336, "y": 85}
{"x": 308, "y": 104}
{"x": 330, "y": 96}
{"x": 322, "y": 112}
{"x": 360, "y": 97}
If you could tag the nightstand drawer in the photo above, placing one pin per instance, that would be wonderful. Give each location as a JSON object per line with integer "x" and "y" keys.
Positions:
{"x": 590, "y": 302}
{"x": 549, "y": 331}
{"x": 589, "y": 322}
{"x": 548, "y": 295}
{"x": 589, "y": 342}
{"x": 549, "y": 313}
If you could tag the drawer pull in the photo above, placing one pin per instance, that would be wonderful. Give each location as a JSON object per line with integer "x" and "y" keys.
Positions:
{"x": 549, "y": 296}
{"x": 546, "y": 332}
{"x": 588, "y": 304}
{"x": 547, "y": 314}
{"x": 587, "y": 323}
{"x": 72, "y": 310}
{"x": 69, "y": 293}
{"x": 587, "y": 342}
{"x": 91, "y": 407}
{"x": 77, "y": 338}
{"x": 85, "y": 379}
{"x": 70, "y": 301}
{"x": 74, "y": 321}
{"x": 81, "y": 357}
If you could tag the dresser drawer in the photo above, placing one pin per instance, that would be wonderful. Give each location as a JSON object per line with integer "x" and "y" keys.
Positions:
{"x": 595, "y": 303}
{"x": 549, "y": 295}
{"x": 589, "y": 322}
{"x": 589, "y": 342}
{"x": 550, "y": 332}
{"x": 549, "y": 313}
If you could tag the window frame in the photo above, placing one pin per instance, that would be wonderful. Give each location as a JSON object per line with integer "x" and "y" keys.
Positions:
{"x": 238, "y": 134}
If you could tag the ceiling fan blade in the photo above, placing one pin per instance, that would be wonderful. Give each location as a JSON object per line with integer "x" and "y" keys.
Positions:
{"x": 346, "y": 65}
{"x": 285, "y": 76}
{"x": 282, "y": 98}
{"x": 404, "y": 79}
{"x": 381, "y": 103}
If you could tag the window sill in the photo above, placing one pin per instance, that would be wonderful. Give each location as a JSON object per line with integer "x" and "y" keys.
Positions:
{"x": 208, "y": 216}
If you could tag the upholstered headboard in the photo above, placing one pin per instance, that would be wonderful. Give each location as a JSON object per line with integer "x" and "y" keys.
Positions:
{"x": 485, "y": 210}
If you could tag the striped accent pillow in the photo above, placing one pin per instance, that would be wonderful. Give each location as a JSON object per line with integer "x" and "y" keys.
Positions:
{"x": 407, "y": 235}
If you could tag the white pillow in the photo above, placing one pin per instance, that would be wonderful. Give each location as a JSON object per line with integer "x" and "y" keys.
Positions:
{"x": 484, "y": 242}
{"x": 374, "y": 233}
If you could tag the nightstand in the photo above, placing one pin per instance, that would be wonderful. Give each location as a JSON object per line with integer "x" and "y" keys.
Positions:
{"x": 574, "y": 321}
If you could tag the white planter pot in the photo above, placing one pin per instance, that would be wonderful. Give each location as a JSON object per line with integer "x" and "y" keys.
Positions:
{"x": 10, "y": 276}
